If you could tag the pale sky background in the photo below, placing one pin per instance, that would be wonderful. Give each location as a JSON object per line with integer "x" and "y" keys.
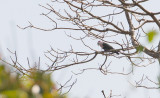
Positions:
{"x": 33, "y": 43}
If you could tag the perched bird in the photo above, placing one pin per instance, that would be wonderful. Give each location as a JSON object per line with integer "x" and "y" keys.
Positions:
{"x": 106, "y": 46}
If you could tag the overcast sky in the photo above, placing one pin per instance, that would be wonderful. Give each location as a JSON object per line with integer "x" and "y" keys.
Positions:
{"x": 33, "y": 43}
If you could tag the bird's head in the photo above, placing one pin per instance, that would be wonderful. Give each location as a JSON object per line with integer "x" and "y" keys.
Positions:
{"x": 99, "y": 42}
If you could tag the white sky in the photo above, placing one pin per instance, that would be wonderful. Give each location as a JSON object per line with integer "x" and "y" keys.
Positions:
{"x": 33, "y": 43}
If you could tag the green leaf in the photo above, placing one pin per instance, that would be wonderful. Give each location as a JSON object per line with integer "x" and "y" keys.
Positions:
{"x": 15, "y": 94}
{"x": 151, "y": 35}
{"x": 140, "y": 48}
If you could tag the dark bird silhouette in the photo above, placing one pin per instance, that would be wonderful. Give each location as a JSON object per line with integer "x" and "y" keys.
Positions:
{"x": 106, "y": 46}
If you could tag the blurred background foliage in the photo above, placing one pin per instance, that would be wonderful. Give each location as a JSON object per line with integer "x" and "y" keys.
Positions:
{"x": 35, "y": 84}
{"x": 151, "y": 35}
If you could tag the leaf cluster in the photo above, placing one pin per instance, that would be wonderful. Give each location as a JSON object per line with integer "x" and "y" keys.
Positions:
{"x": 36, "y": 84}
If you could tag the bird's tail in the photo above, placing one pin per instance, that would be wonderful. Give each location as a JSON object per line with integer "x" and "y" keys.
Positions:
{"x": 116, "y": 52}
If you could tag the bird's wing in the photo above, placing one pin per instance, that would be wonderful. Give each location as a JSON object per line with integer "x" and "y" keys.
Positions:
{"x": 107, "y": 46}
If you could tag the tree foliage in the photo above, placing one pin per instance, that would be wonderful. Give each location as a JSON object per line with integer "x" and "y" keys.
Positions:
{"x": 35, "y": 84}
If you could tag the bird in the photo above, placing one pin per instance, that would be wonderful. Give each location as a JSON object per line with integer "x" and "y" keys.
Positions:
{"x": 106, "y": 46}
